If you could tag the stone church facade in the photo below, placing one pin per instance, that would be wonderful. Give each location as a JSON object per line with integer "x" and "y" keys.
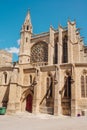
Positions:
{"x": 50, "y": 75}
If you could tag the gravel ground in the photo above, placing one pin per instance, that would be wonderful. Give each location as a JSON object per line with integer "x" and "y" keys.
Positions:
{"x": 27, "y": 121}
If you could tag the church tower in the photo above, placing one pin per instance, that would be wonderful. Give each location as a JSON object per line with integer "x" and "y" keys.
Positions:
{"x": 26, "y": 33}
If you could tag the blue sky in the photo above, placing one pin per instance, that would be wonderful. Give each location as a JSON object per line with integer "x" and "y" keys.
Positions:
{"x": 43, "y": 14}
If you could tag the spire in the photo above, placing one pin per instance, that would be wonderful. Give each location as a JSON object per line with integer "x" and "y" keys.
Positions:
{"x": 27, "y": 23}
{"x": 28, "y": 18}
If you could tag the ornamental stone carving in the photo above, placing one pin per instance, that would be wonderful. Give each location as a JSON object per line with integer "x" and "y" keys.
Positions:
{"x": 84, "y": 71}
{"x": 39, "y": 52}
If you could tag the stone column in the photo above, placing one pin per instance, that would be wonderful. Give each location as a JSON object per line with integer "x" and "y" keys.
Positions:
{"x": 57, "y": 98}
{"x": 18, "y": 96}
{"x": 37, "y": 92}
{"x": 73, "y": 44}
{"x": 60, "y": 45}
{"x": 51, "y": 47}
{"x": 73, "y": 93}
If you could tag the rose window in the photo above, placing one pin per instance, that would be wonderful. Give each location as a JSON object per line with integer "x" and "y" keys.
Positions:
{"x": 39, "y": 52}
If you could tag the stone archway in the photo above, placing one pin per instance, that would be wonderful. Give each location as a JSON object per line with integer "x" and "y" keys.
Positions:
{"x": 29, "y": 100}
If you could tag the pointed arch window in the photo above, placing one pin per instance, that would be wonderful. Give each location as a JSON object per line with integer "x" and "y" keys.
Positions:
{"x": 27, "y": 27}
{"x": 26, "y": 39}
{"x": 5, "y": 77}
{"x": 56, "y": 51}
{"x": 65, "y": 50}
{"x": 84, "y": 86}
{"x": 30, "y": 79}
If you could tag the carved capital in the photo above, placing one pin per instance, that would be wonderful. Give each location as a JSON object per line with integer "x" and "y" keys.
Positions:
{"x": 68, "y": 72}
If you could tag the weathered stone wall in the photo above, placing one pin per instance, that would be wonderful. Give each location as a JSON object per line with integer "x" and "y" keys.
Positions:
{"x": 4, "y": 85}
{"x": 5, "y": 58}
{"x": 81, "y": 102}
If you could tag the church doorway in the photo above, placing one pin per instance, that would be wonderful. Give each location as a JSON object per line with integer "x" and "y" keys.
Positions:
{"x": 29, "y": 100}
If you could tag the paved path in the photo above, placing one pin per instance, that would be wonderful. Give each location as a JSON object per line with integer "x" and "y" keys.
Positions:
{"x": 26, "y": 121}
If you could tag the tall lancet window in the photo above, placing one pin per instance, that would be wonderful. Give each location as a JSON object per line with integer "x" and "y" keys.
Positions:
{"x": 84, "y": 86}
{"x": 5, "y": 77}
{"x": 27, "y": 27}
{"x": 56, "y": 51}
{"x": 30, "y": 79}
{"x": 65, "y": 50}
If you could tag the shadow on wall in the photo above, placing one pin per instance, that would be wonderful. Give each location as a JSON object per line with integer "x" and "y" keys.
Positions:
{"x": 6, "y": 97}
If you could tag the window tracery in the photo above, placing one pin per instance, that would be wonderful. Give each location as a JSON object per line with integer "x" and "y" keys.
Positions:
{"x": 84, "y": 86}
{"x": 39, "y": 52}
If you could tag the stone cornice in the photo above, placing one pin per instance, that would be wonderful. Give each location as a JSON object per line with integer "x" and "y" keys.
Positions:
{"x": 6, "y": 68}
{"x": 23, "y": 55}
{"x": 65, "y": 65}
{"x": 29, "y": 70}
{"x": 26, "y": 69}
{"x": 48, "y": 68}
{"x": 80, "y": 64}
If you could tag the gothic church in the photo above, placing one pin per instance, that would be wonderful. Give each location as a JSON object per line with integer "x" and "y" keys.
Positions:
{"x": 50, "y": 75}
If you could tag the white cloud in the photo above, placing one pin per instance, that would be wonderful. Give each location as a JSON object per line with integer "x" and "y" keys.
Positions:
{"x": 13, "y": 50}
{"x": 18, "y": 41}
